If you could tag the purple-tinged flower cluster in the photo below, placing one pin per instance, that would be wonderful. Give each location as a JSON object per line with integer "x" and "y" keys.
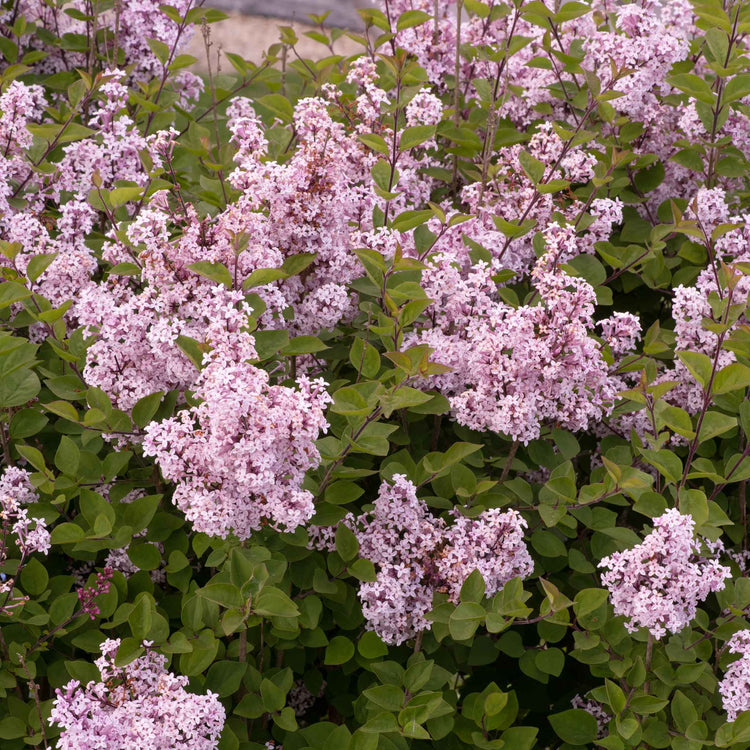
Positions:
{"x": 31, "y": 534}
{"x": 659, "y": 583}
{"x": 141, "y": 705}
{"x": 16, "y": 491}
{"x": 239, "y": 456}
{"x": 137, "y": 22}
{"x": 87, "y": 594}
{"x": 417, "y": 554}
{"x": 735, "y": 687}
{"x": 515, "y": 369}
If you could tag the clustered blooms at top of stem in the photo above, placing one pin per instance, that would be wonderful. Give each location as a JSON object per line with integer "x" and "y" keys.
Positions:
{"x": 735, "y": 687}
{"x": 127, "y": 35}
{"x": 140, "y": 705}
{"x": 15, "y": 492}
{"x": 238, "y": 457}
{"x": 417, "y": 554}
{"x": 514, "y": 369}
{"x": 659, "y": 583}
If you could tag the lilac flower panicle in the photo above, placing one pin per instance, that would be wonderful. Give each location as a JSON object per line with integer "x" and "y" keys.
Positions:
{"x": 239, "y": 456}
{"x": 659, "y": 583}
{"x": 140, "y": 705}
{"x": 735, "y": 686}
{"x": 416, "y": 554}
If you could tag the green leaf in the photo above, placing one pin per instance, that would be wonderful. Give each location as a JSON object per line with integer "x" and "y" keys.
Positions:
{"x": 272, "y": 602}
{"x": 346, "y": 543}
{"x": 371, "y": 646}
{"x": 699, "y": 364}
{"x": 668, "y": 463}
{"x": 278, "y": 105}
{"x": 12, "y": 728}
{"x": 615, "y": 696}
{"x": 223, "y": 594}
{"x": 272, "y": 695}
{"x": 550, "y": 661}
{"x": 342, "y": 492}
{"x": 146, "y": 407}
{"x": 647, "y": 704}
{"x": 714, "y": 424}
{"x": 363, "y": 570}
{"x": 338, "y": 651}
{"x": 408, "y": 220}
{"x": 18, "y": 387}
{"x": 473, "y": 588}
{"x": 736, "y": 88}
{"x": 67, "y": 456}
{"x": 140, "y": 617}
{"x": 403, "y": 398}
{"x": 533, "y": 168}
{"x": 38, "y": 265}
{"x": 66, "y": 533}
{"x": 694, "y": 86}
{"x": 63, "y": 409}
{"x": 375, "y": 142}
{"x": 217, "y": 272}
{"x": 144, "y": 556}
{"x": 389, "y": 697}
{"x": 225, "y": 677}
{"x": 27, "y": 422}
{"x": 34, "y": 577}
{"x": 733, "y": 377}
{"x": 683, "y": 711}
{"x": 303, "y": 345}
{"x": 575, "y": 726}
{"x": 411, "y": 18}
{"x": 465, "y": 619}
{"x": 416, "y": 135}
{"x": 193, "y": 349}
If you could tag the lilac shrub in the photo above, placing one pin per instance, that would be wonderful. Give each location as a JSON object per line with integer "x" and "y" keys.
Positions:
{"x": 331, "y": 389}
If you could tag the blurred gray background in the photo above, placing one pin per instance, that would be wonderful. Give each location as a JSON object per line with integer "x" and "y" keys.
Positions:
{"x": 253, "y": 25}
{"x": 342, "y": 12}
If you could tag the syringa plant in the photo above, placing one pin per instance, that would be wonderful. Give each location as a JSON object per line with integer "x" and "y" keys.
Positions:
{"x": 375, "y": 402}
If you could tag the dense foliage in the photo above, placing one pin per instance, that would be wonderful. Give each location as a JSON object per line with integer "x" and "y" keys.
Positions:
{"x": 388, "y": 401}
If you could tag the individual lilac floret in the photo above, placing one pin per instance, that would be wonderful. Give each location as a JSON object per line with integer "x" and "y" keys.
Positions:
{"x": 141, "y": 705}
{"x": 734, "y": 688}
{"x": 658, "y": 584}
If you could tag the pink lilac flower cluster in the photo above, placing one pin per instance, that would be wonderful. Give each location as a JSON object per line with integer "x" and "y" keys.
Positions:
{"x": 659, "y": 583}
{"x": 16, "y": 492}
{"x": 239, "y": 456}
{"x": 417, "y": 554}
{"x": 311, "y": 203}
{"x": 140, "y": 705}
{"x": 31, "y": 534}
{"x": 137, "y": 22}
{"x": 691, "y": 305}
{"x": 735, "y": 686}
{"x": 20, "y": 106}
{"x": 515, "y": 369}
{"x": 512, "y": 195}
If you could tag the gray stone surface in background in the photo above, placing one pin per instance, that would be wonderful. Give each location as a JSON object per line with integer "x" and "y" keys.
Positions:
{"x": 342, "y": 12}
